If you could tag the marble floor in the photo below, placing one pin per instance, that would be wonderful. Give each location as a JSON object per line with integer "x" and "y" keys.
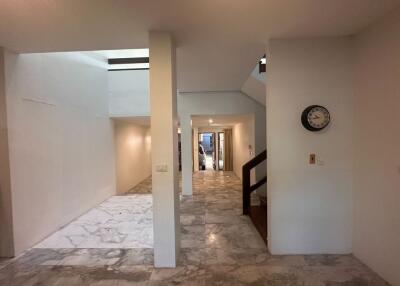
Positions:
{"x": 143, "y": 187}
{"x": 219, "y": 247}
{"x": 119, "y": 222}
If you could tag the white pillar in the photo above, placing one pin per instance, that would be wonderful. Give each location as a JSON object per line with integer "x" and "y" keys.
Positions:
{"x": 164, "y": 145}
{"x": 6, "y": 223}
{"x": 187, "y": 160}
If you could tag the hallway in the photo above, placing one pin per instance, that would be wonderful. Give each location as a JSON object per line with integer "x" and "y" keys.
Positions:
{"x": 219, "y": 247}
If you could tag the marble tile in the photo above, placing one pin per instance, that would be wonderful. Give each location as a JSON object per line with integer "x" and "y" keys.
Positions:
{"x": 182, "y": 275}
{"x": 119, "y": 222}
{"x": 219, "y": 247}
{"x": 225, "y": 217}
{"x": 192, "y": 207}
{"x": 192, "y": 219}
{"x": 193, "y": 236}
{"x": 233, "y": 236}
{"x": 4, "y": 262}
{"x": 143, "y": 187}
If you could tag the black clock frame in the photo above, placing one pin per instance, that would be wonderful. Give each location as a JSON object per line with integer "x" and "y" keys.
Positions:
{"x": 304, "y": 118}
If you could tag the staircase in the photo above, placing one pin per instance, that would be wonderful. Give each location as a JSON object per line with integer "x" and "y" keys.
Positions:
{"x": 257, "y": 212}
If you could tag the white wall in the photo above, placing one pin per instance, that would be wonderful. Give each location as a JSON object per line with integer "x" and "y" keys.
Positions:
{"x": 254, "y": 86}
{"x": 126, "y": 101}
{"x": 242, "y": 137}
{"x": 61, "y": 141}
{"x": 129, "y": 93}
{"x": 377, "y": 156}
{"x": 129, "y": 96}
{"x": 310, "y": 206}
{"x": 227, "y": 103}
{"x": 132, "y": 154}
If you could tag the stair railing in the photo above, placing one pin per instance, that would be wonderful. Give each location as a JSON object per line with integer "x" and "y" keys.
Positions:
{"x": 246, "y": 183}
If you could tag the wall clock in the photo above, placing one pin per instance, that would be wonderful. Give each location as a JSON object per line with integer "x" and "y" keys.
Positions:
{"x": 315, "y": 118}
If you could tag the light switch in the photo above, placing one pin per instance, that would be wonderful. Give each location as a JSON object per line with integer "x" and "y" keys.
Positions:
{"x": 312, "y": 159}
{"x": 162, "y": 168}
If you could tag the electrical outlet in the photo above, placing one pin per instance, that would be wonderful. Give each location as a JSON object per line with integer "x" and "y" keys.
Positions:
{"x": 312, "y": 159}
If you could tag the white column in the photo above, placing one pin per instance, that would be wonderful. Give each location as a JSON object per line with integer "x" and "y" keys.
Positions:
{"x": 187, "y": 160}
{"x": 164, "y": 145}
{"x": 6, "y": 225}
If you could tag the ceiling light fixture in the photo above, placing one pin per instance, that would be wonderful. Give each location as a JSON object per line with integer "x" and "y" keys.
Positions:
{"x": 262, "y": 64}
{"x": 116, "y": 61}
{"x": 118, "y": 64}
{"x": 210, "y": 121}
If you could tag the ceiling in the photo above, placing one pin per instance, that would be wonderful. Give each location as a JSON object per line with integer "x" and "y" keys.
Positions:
{"x": 219, "y": 41}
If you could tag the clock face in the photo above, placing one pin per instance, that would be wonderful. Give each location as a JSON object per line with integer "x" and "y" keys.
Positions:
{"x": 315, "y": 118}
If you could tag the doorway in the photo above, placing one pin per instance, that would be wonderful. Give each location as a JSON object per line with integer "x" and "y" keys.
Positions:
{"x": 221, "y": 153}
{"x": 207, "y": 151}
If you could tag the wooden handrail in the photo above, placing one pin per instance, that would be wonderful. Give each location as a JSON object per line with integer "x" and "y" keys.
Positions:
{"x": 256, "y": 160}
{"x": 246, "y": 184}
{"x": 258, "y": 184}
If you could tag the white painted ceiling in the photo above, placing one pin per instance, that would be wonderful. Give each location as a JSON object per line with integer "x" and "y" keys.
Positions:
{"x": 219, "y": 41}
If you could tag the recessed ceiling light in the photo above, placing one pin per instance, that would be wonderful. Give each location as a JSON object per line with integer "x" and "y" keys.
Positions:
{"x": 210, "y": 121}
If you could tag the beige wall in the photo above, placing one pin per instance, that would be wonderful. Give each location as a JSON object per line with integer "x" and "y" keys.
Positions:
{"x": 377, "y": 153}
{"x": 61, "y": 141}
{"x": 310, "y": 206}
{"x": 243, "y": 136}
{"x": 132, "y": 154}
{"x": 6, "y": 230}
